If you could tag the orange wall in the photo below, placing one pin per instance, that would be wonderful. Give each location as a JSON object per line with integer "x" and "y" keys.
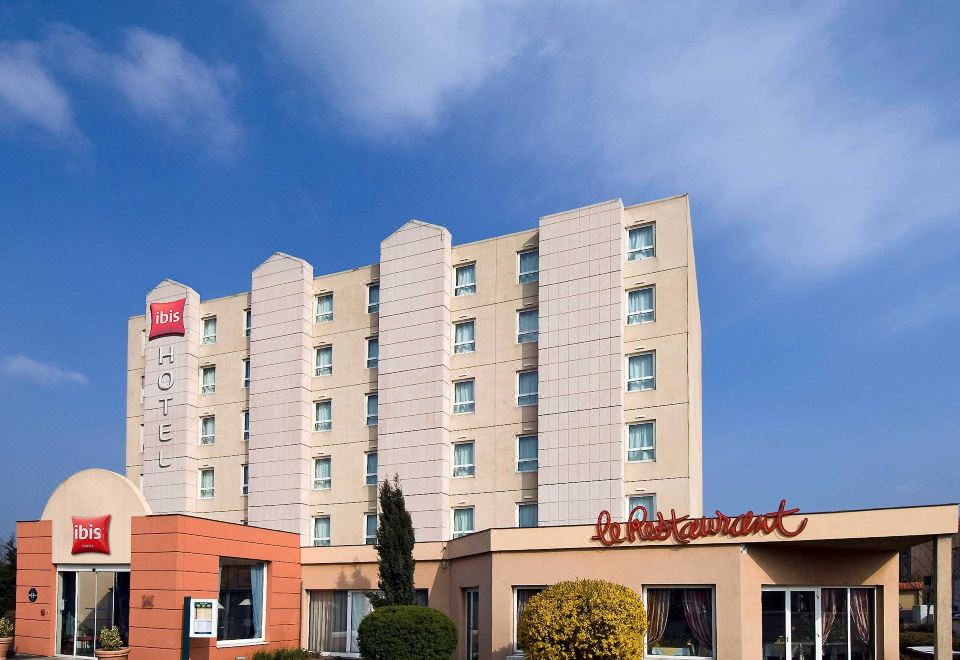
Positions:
{"x": 35, "y": 621}
{"x": 176, "y": 556}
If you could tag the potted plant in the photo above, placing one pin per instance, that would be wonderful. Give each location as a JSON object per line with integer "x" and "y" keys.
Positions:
{"x": 6, "y": 636}
{"x": 111, "y": 644}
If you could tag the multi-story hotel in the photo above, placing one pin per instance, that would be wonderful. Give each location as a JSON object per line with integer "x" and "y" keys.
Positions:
{"x": 531, "y": 379}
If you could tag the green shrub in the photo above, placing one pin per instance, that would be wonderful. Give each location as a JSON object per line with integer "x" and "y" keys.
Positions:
{"x": 921, "y": 638}
{"x": 406, "y": 632}
{"x": 583, "y": 619}
{"x": 6, "y": 627}
{"x": 281, "y": 654}
{"x": 110, "y": 639}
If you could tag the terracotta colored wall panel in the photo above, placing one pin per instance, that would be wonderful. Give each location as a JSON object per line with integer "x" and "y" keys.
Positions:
{"x": 35, "y": 621}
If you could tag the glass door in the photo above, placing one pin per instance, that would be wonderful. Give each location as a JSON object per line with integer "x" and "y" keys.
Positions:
{"x": 90, "y": 600}
{"x": 472, "y": 629}
{"x": 804, "y": 633}
{"x": 818, "y": 623}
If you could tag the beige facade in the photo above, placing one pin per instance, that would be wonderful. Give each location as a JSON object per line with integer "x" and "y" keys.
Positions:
{"x": 580, "y": 408}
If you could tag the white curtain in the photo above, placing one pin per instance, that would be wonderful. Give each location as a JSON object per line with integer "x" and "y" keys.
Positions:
{"x": 527, "y": 388}
{"x": 529, "y": 325}
{"x": 640, "y": 242}
{"x": 209, "y": 328}
{"x": 467, "y": 279}
{"x": 462, "y": 521}
{"x": 640, "y": 306}
{"x": 641, "y": 442}
{"x": 529, "y": 266}
{"x": 527, "y": 453}
{"x": 640, "y": 372}
{"x": 206, "y": 483}
{"x": 464, "y": 337}
{"x": 463, "y": 459}
{"x": 209, "y": 377}
{"x": 208, "y": 429}
{"x": 360, "y": 607}
{"x": 528, "y": 515}
{"x": 325, "y": 360}
{"x": 257, "y": 589}
{"x": 325, "y": 307}
{"x": 321, "y": 530}
{"x": 372, "y": 468}
{"x": 321, "y": 473}
{"x": 463, "y": 396}
{"x": 324, "y": 410}
{"x": 648, "y": 502}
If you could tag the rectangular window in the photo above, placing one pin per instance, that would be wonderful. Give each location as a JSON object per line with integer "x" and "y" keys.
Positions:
{"x": 466, "y": 280}
{"x": 527, "y": 385}
{"x": 206, "y": 483}
{"x": 681, "y": 623}
{"x": 528, "y": 326}
{"x": 648, "y": 502}
{"x": 243, "y": 600}
{"x": 323, "y": 361}
{"x": 324, "y": 416}
{"x": 527, "y": 453}
{"x": 321, "y": 531}
{"x": 641, "y": 442}
{"x": 322, "y": 477}
{"x": 247, "y": 322}
{"x": 371, "y": 478}
{"x": 208, "y": 380}
{"x": 246, "y": 425}
{"x": 373, "y": 352}
{"x": 641, "y": 374}
{"x": 529, "y": 266}
{"x": 464, "y": 337}
{"x": 845, "y": 627}
{"x": 210, "y": 330}
{"x": 245, "y": 483}
{"x": 333, "y": 618}
{"x": 463, "y": 397}
{"x": 640, "y": 306}
{"x": 521, "y": 596}
{"x": 208, "y": 430}
{"x": 471, "y": 628}
{"x": 372, "y": 409}
{"x": 527, "y": 515}
{"x": 373, "y": 298}
{"x": 463, "y": 465}
{"x": 246, "y": 372}
{"x": 324, "y": 311}
{"x": 370, "y": 528}
{"x": 640, "y": 242}
{"x": 462, "y": 521}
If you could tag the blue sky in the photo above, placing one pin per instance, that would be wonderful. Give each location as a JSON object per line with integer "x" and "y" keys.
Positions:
{"x": 819, "y": 145}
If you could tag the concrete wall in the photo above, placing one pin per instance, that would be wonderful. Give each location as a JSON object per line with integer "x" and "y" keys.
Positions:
{"x": 35, "y": 626}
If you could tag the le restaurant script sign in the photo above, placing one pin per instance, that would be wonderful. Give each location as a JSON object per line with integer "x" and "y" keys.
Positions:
{"x": 684, "y": 529}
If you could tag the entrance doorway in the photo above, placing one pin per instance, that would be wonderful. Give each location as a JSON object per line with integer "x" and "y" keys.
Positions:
{"x": 819, "y": 623}
{"x": 90, "y": 599}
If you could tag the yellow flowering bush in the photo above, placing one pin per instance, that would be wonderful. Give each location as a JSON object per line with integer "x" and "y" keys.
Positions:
{"x": 581, "y": 620}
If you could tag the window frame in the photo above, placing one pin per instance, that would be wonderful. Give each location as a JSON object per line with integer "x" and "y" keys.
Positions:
{"x": 375, "y": 361}
{"x": 522, "y": 504}
{"x": 472, "y": 466}
{"x": 713, "y": 613}
{"x": 472, "y": 345}
{"x": 652, "y": 311}
{"x": 245, "y": 479}
{"x": 453, "y": 521}
{"x": 457, "y": 287}
{"x": 229, "y": 643}
{"x": 316, "y": 308}
{"x": 313, "y": 532}
{"x": 246, "y": 372}
{"x": 521, "y": 273}
{"x": 212, "y": 489}
{"x": 245, "y": 425}
{"x": 516, "y": 622}
{"x": 366, "y": 538}
{"x": 536, "y": 437}
{"x": 653, "y": 448}
{"x": 536, "y": 394}
{"x": 653, "y": 225}
{"x": 650, "y": 514}
{"x": 207, "y": 339}
{"x": 316, "y": 416}
{"x": 315, "y": 480}
{"x": 366, "y": 408}
{"x": 472, "y": 402}
{"x": 652, "y": 378}
{"x": 247, "y": 322}
{"x": 519, "y": 334}
{"x": 208, "y": 389}
{"x": 366, "y": 468}
{"x": 212, "y": 436}
{"x": 373, "y": 285}
{"x": 316, "y": 359}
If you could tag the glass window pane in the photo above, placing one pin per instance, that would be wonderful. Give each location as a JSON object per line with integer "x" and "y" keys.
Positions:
{"x": 680, "y": 622}
{"x": 527, "y": 453}
{"x": 641, "y": 442}
{"x": 373, "y": 352}
{"x": 324, "y": 308}
{"x": 862, "y": 634}
{"x": 527, "y": 388}
{"x": 324, "y": 365}
{"x": 466, "y": 280}
{"x": 371, "y": 529}
{"x": 463, "y": 397}
{"x": 527, "y": 515}
{"x": 321, "y": 531}
{"x": 528, "y": 325}
{"x": 648, "y": 502}
{"x": 640, "y": 372}
{"x": 640, "y": 306}
{"x": 462, "y": 521}
{"x": 464, "y": 337}
{"x": 324, "y": 419}
{"x": 529, "y": 266}
{"x": 373, "y": 298}
{"x": 241, "y": 600}
{"x": 640, "y": 243}
{"x": 322, "y": 477}
{"x": 372, "y": 409}
{"x": 371, "y": 473}
{"x": 463, "y": 465}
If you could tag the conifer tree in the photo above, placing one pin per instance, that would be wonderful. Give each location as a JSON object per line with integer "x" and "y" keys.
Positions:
{"x": 395, "y": 539}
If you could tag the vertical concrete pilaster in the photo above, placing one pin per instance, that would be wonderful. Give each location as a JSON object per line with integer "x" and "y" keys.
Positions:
{"x": 943, "y": 589}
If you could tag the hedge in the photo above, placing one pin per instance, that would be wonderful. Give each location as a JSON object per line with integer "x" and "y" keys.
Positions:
{"x": 406, "y": 632}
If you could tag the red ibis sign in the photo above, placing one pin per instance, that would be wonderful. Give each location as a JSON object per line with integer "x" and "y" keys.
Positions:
{"x": 167, "y": 318}
{"x": 91, "y": 535}
{"x": 684, "y": 529}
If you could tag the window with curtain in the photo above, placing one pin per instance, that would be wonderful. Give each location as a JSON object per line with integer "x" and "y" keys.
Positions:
{"x": 208, "y": 430}
{"x": 324, "y": 416}
{"x": 373, "y": 352}
{"x": 640, "y": 372}
{"x": 527, "y": 453}
{"x": 245, "y": 482}
{"x": 527, "y": 515}
{"x": 246, "y": 425}
{"x": 321, "y": 531}
{"x": 322, "y": 477}
{"x": 466, "y": 280}
{"x": 370, "y": 528}
{"x": 208, "y": 380}
{"x": 463, "y": 465}
{"x": 247, "y": 322}
{"x": 640, "y": 306}
{"x": 324, "y": 361}
{"x": 333, "y": 618}
{"x": 463, "y": 397}
{"x": 371, "y": 476}
{"x": 640, "y": 242}
{"x": 464, "y": 337}
{"x": 529, "y": 266}
{"x": 462, "y": 521}
{"x": 522, "y": 596}
{"x": 648, "y": 502}
{"x": 527, "y": 386}
{"x": 373, "y": 298}
{"x": 246, "y": 373}
{"x": 372, "y": 409}
{"x": 528, "y": 326}
{"x": 680, "y": 622}
{"x": 324, "y": 308}
{"x": 206, "y": 483}
{"x": 210, "y": 330}
{"x": 242, "y": 600}
{"x": 641, "y": 442}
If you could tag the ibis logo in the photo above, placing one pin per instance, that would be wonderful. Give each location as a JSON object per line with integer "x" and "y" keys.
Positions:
{"x": 166, "y": 318}
{"x": 91, "y": 535}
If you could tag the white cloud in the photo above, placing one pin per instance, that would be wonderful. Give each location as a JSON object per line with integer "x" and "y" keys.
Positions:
{"x": 935, "y": 304}
{"x": 44, "y": 373}
{"x": 29, "y": 93}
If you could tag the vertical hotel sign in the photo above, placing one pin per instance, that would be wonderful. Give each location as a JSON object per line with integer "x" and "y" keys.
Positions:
{"x": 166, "y": 319}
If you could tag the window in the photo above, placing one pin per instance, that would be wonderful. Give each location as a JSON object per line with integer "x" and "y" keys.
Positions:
{"x": 521, "y": 596}
{"x": 323, "y": 361}
{"x": 462, "y": 521}
{"x": 648, "y": 502}
{"x": 527, "y": 388}
{"x": 641, "y": 442}
{"x": 246, "y": 425}
{"x": 681, "y": 622}
{"x": 321, "y": 531}
{"x": 370, "y": 528}
{"x": 206, "y": 483}
{"x": 243, "y": 600}
{"x": 245, "y": 483}
{"x": 324, "y": 416}
{"x": 373, "y": 298}
{"x": 208, "y": 380}
{"x": 844, "y": 628}
{"x": 463, "y": 397}
{"x": 463, "y": 465}
{"x": 528, "y": 326}
{"x": 372, "y": 406}
{"x": 246, "y": 372}
{"x": 324, "y": 308}
{"x": 373, "y": 352}
{"x": 527, "y": 515}
{"x": 333, "y": 619}
{"x": 247, "y": 322}
{"x": 640, "y": 243}
{"x": 466, "y": 280}
{"x": 640, "y": 372}
{"x": 371, "y": 478}
{"x": 464, "y": 337}
{"x": 527, "y": 453}
{"x": 640, "y": 306}
{"x": 471, "y": 629}
{"x": 208, "y": 430}
{"x": 322, "y": 479}
{"x": 210, "y": 330}
{"x": 529, "y": 266}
